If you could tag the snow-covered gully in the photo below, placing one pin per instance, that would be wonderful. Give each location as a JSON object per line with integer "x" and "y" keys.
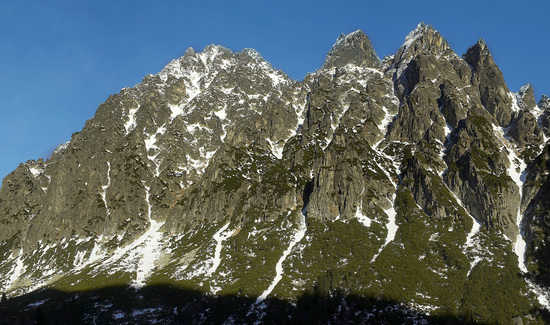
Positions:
{"x": 391, "y": 226}
{"x": 516, "y": 171}
{"x": 105, "y": 187}
{"x": 151, "y": 248}
{"x": 519, "y": 178}
{"x": 279, "y": 267}
{"x": 471, "y": 243}
{"x": 140, "y": 256}
{"x": 298, "y": 236}
{"x": 219, "y": 237}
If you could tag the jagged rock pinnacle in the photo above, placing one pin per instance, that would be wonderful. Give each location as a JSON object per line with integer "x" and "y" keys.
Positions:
{"x": 544, "y": 102}
{"x": 526, "y": 97}
{"x": 354, "y": 48}
{"x": 422, "y": 38}
{"x": 490, "y": 82}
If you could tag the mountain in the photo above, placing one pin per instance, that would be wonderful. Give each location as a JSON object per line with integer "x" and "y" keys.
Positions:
{"x": 413, "y": 189}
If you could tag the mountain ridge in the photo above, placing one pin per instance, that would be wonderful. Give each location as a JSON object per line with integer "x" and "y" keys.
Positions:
{"x": 219, "y": 171}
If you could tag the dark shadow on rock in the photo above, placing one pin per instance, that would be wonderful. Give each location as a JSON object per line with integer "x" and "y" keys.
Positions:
{"x": 164, "y": 304}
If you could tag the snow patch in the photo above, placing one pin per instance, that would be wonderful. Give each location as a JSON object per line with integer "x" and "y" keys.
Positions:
{"x": 388, "y": 118}
{"x": 222, "y": 113}
{"x": 543, "y": 294}
{"x": 60, "y": 148}
{"x": 363, "y": 219}
{"x": 130, "y": 124}
{"x": 175, "y": 110}
{"x": 35, "y": 171}
{"x": 16, "y": 273}
{"x": 391, "y": 226}
{"x": 276, "y": 148}
{"x": 38, "y": 303}
{"x": 153, "y": 150}
{"x": 471, "y": 243}
{"x": 219, "y": 237}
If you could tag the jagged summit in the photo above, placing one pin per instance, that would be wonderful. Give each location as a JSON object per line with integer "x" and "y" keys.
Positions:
{"x": 354, "y": 48}
{"x": 487, "y": 77}
{"x": 544, "y": 102}
{"x": 526, "y": 97}
{"x": 482, "y": 44}
{"x": 253, "y": 54}
{"x": 424, "y": 38}
{"x": 478, "y": 53}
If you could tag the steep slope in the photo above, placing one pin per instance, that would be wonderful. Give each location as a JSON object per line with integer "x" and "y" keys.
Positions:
{"x": 412, "y": 189}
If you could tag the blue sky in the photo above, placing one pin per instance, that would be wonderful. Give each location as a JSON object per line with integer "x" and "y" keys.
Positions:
{"x": 60, "y": 59}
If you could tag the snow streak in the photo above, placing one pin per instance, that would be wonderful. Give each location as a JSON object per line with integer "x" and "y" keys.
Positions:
{"x": 516, "y": 171}
{"x": 391, "y": 226}
{"x": 105, "y": 187}
{"x": 151, "y": 247}
{"x": 390, "y": 212}
{"x": 518, "y": 178}
{"x": 219, "y": 237}
{"x": 298, "y": 236}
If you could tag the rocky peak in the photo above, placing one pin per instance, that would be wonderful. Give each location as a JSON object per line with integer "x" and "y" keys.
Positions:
{"x": 253, "y": 54}
{"x": 478, "y": 53}
{"x": 544, "y": 102}
{"x": 424, "y": 38}
{"x": 189, "y": 52}
{"x": 544, "y": 105}
{"x": 354, "y": 48}
{"x": 526, "y": 97}
{"x": 488, "y": 78}
{"x": 203, "y": 60}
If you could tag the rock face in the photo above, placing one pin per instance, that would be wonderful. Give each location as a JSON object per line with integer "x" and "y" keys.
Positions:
{"x": 487, "y": 77}
{"x": 414, "y": 187}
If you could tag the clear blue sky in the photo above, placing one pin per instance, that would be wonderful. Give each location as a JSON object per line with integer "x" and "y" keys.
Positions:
{"x": 60, "y": 59}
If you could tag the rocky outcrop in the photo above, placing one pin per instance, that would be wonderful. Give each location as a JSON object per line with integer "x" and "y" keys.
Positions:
{"x": 537, "y": 215}
{"x": 525, "y": 130}
{"x": 488, "y": 79}
{"x": 544, "y": 104}
{"x": 477, "y": 173}
{"x": 526, "y": 97}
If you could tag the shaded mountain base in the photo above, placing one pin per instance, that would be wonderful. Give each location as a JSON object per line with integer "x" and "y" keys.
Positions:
{"x": 171, "y": 305}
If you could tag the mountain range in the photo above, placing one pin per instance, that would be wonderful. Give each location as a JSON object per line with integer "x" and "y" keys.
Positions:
{"x": 409, "y": 189}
